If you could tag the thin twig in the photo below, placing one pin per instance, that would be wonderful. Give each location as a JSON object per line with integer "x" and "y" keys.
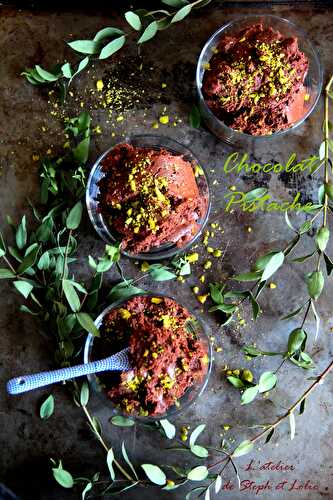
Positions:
{"x": 101, "y": 440}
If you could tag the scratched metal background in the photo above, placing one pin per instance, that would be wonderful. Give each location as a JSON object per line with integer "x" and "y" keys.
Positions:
{"x": 29, "y": 36}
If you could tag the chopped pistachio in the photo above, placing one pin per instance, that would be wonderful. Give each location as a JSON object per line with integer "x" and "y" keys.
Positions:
{"x": 192, "y": 257}
{"x": 99, "y": 85}
{"x": 164, "y": 119}
{"x": 202, "y": 298}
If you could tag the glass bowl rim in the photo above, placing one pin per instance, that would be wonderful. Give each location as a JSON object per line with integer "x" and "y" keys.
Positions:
{"x": 316, "y": 57}
{"x": 173, "y": 251}
{"x": 172, "y": 411}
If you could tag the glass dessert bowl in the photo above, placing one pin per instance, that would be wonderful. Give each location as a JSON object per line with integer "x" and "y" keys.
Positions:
{"x": 257, "y": 78}
{"x": 150, "y": 193}
{"x": 169, "y": 351}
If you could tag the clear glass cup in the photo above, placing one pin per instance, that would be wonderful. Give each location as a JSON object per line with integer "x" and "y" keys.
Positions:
{"x": 191, "y": 394}
{"x": 155, "y": 142}
{"x": 313, "y": 81}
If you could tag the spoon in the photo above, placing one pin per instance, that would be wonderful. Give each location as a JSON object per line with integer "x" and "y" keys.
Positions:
{"x": 25, "y": 383}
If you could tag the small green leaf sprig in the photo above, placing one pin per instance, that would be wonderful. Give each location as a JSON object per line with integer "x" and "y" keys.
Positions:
{"x": 228, "y": 301}
{"x": 110, "y": 40}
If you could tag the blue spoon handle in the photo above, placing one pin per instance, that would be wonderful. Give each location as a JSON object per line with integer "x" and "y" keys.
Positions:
{"x": 27, "y": 383}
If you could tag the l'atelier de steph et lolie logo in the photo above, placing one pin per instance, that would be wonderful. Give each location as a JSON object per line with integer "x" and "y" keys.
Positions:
{"x": 263, "y": 200}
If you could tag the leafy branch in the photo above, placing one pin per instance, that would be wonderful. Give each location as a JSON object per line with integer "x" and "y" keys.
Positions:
{"x": 107, "y": 41}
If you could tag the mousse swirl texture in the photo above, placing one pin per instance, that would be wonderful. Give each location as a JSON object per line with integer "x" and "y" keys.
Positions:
{"x": 150, "y": 197}
{"x": 165, "y": 352}
{"x": 254, "y": 81}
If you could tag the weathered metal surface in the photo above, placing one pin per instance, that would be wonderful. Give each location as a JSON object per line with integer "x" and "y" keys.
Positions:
{"x": 27, "y": 442}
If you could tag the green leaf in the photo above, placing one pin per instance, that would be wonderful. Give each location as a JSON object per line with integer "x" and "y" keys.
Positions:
{"x": 196, "y": 433}
{"x": 329, "y": 189}
{"x": 6, "y": 273}
{"x": 169, "y": 428}
{"x": 322, "y": 237}
{"x": 133, "y": 20}
{"x": 315, "y": 282}
{"x": 216, "y": 292}
{"x": 322, "y": 151}
{"x": 109, "y": 461}
{"x": 81, "y": 152}
{"x": 302, "y": 407}
{"x": 218, "y": 484}
{"x": 249, "y": 395}
{"x": 47, "y": 408}
{"x": 195, "y": 117}
{"x": 127, "y": 460}
{"x": 66, "y": 70}
{"x": 84, "y": 394}
{"x": 198, "y": 473}
{"x": 29, "y": 259}
{"x": 74, "y": 217}
{"x": 269, "y": 436}
{"x": 254, "y": 194}
{"x": 160, "y": 273}
{"x": 267, "y": 381}
{"x": 79, "y": 287}
{"x": 199, "y": 451}
{"x": 251, "y": 351}
{"x": 21, "y": 233}
{"x": 82, "y": 64}
{"x": 121, "y": 421}
{"x": 71, "y": 295}
{"x": 2, "y": 246}
{"x": 96, "y": 425}
{"x": 174, "y": 3}
{"x": 154, "y": 474}
{"x": 305, "y": 227}
{"x": 88, "y": 487}
{"x": 24, "y": 288}
{"x": 251, "y": 276}
{"x": 24, "y": 308}
{"x": 196, "y": 491}
{"x": 255, "y": 307}
{"x": 292, "y": 424}
{"x": 226, "y": 308}
{"x": 289, "y": 224}
{"x": 85, "y": 46}
{"x": 293, "y": 313}
{"x": 112, "y": 47}
{"x": 48, "y": 77}
{"x": 63, "y": 477}
{"x": 296, "y": 339}
{"x": 317, "y": 317}
{"x": 329, "y": 264}
{"x": 182, "y": 13}
{"x": 243, "y": 448}
{"x": 123, "y": 290}
{"x": 44, "y": 261}
{"x": 236, "y": 382}
{"x": 303, "y": 258}
{"x": 107, "y": 32}
{"x": 87, "y": 323}
{"x": 149, "y": 32}
{"x": 273, "y": 264}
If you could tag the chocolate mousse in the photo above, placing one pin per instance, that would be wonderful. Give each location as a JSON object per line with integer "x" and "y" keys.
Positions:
{"x": 254, "y": 81}
{"x": 150, "y": 197}
{"x": 166, "y": 355}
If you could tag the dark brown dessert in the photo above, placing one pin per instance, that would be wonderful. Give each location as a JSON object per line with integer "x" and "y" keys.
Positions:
{"x": 254, "y": 81}
{"x": 166, "y": 355}
{"x": 150, "y": 197}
